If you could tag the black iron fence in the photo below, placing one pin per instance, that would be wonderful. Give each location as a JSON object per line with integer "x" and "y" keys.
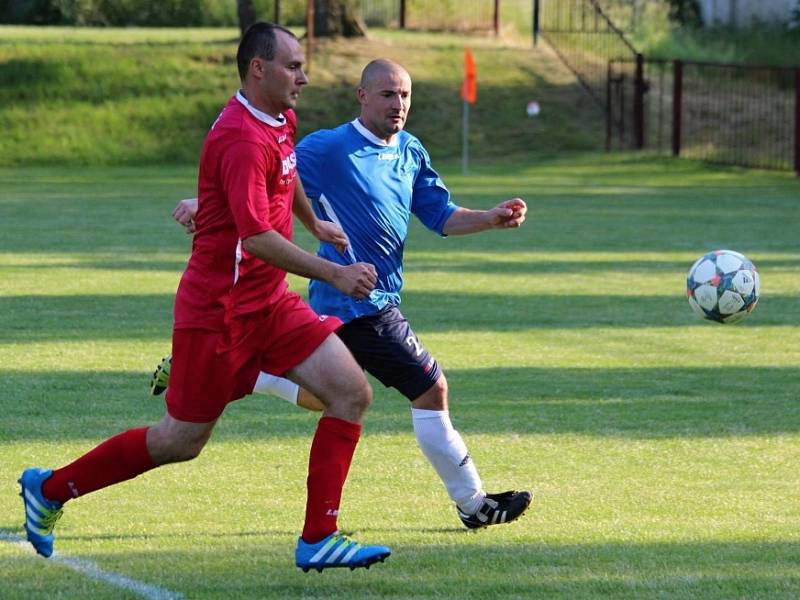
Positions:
{"x": 590, "y": 44}
{"x": 726, "y": 113}
{"x": 735, "y": 114}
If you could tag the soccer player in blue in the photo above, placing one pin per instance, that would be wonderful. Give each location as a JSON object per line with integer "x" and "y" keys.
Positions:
{"x": 369, "y": 176}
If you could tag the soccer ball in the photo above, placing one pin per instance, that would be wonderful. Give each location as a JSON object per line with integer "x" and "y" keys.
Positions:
{"x": 723, "y": 286}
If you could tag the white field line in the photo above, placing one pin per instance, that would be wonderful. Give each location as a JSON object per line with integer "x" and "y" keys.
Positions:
{"x": 91, "y": 570}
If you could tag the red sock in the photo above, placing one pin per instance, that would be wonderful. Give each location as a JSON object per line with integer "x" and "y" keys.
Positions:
{"x": 119, "y": 458}
{"x": 329, "y": 461}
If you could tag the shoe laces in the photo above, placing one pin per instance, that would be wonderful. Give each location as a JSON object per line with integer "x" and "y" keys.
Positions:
{"x": 49, "y": 518}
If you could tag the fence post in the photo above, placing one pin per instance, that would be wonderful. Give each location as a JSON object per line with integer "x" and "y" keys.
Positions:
{"x": 496, "y": 17}
{"x": 277, "y": 19}
{"x": 609, "y": 112}
{"x": 402, "y": 14}
{"x": 638, "y": 103}
{"x": 797, "y": 122}
{"x": 309, "y": 33}
{"x": 535, "y": 22}
{"x": 677, "y": 97}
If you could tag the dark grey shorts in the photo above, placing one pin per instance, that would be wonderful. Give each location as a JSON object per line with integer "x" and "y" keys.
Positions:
{"x": 386, "y": 347}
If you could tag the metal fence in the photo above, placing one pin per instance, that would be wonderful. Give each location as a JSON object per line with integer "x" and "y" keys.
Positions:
{"x": 734, "y": 114}
{"x": 590, "y": 44}
{"x": 432, "y": 15}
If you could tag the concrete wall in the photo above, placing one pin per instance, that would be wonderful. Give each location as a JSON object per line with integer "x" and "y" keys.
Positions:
{"x": 743, "y": 12}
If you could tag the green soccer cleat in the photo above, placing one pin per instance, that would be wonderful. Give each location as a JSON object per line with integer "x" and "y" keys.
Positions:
{"x": 160, "y": 380}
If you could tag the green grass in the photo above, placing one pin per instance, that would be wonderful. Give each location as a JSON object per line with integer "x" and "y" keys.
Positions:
{"x": 663, "y": 450}
{"x": 757, "y": 45}
{"x": 147, "y": 96}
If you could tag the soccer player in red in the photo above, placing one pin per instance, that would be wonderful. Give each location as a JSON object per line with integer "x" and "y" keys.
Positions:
{"x": 234, "y": 316}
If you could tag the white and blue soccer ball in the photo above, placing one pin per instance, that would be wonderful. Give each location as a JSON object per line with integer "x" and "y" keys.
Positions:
{"x": 723, "y": 286}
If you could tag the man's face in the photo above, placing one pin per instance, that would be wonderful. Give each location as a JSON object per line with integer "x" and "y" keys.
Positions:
{"x": 385, "y": 102}
{"x": 283, "y": 76}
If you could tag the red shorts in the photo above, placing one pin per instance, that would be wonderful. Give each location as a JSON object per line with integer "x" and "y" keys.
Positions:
{"x": 210, "y": 369}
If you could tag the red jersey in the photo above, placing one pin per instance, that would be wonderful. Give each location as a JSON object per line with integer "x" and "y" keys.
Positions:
{"x": 245, "y": 186}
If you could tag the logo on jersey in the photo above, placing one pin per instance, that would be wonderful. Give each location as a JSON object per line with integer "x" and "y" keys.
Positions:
{"x": 288, "y": 169}
{"x": 323, "y": 317}
{"x": 288, "y": 164}
{"x": 388, "y": 156}
{"x": 281, "y": 138}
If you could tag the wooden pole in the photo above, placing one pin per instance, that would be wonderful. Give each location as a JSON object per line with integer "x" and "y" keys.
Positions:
{"x": 677, "y": 98}
{"x": 797, "y": 121}
{"x": 496, "y": 20}
{"x": 638, "y": 103}
{"x": 277, "y": 16}
{"x": 309, "y": 33}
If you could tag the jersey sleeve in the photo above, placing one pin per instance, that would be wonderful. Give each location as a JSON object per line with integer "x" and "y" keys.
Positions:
{"x": 309, "y": 152}
{"x": 243, "y": 171}
{"x": 431, "y": 199}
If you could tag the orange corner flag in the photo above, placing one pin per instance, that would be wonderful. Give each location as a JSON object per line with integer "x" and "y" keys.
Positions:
{"x": 469, "y": 89}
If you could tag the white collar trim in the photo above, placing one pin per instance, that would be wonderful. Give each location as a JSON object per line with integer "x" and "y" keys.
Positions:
{"x": 260, "y": 115}
{"x": 371, "y": 136}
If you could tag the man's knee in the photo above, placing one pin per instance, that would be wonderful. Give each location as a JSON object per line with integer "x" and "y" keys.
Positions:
{"x": 435, "y": 398}
{"x": 354, "y": 392}
{"x": 171, "y": 443}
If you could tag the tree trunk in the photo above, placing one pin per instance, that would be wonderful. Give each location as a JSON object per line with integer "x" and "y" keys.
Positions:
{"x": 247, "y": 14}
{"x": 337, "y": 17}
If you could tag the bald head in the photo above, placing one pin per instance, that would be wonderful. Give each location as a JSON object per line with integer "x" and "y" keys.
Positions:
{"x": 385, "y": 97}
{"x": 378, "y": 69}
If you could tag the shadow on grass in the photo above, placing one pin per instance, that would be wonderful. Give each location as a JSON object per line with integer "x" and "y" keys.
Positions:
{"x": 26, "y": 319}
{"x": 621, "y": 403}
{"x": 489, "y": 567}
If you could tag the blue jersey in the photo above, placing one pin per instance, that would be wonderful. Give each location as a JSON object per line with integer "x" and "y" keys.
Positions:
{"x": 370, "y": 189}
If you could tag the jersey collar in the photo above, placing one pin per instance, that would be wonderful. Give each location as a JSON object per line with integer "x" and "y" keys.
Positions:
{"x": 371, "y": 136}
{"x": 260, "y": 115}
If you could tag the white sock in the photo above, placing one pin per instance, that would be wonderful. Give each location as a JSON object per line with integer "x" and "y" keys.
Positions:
{"x": 277, "y": 386}
{"x": 443, "y": 447}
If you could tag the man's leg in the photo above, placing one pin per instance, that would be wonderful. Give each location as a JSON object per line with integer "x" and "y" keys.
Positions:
{"x": 332, "y": 375}
{"x": 119, "y": 458}
{"x": 386, "y": 346}
{"x": 445, "y": 449}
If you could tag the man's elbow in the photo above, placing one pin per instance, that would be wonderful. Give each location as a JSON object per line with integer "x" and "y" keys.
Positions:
{"x": 250, "y": 244}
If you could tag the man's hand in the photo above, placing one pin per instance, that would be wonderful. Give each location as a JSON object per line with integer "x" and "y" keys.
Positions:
{"x": 356, "y": 280}
{"x": 325, "y": 231}
{"x": 510, "y": 213}
{"x": 185, "y": 212}
{"x": 506, "y": 215}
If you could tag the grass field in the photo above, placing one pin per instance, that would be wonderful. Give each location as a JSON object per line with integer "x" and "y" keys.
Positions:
{"x": 663, "y": 450}
{"x": 148, "y": 96}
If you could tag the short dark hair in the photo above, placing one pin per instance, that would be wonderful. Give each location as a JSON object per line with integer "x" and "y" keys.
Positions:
{"x": 258, "y": 40}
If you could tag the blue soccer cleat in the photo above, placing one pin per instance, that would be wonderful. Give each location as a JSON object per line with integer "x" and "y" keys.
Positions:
{"x": 337, "y": 550}
{"x": 41, "y": 514}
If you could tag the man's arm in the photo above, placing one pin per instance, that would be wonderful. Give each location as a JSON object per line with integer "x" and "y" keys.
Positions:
{"x": 356, "y": 280}
{"x": 508, "y": 214}
{"x": 324, "y": 231}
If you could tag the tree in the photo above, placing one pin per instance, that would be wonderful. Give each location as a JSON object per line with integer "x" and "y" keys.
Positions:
{"x": 337, "y": 17}
{"x": 247, "y": 14}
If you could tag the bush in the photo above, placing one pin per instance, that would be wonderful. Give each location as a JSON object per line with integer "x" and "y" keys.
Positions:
{"x": 121, "y": 13}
